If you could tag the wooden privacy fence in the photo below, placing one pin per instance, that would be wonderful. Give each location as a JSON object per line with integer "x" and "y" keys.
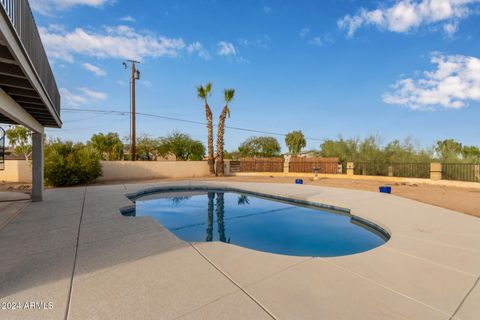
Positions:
{"x": 311, "y": 165}
{"x": 261, "y": 165}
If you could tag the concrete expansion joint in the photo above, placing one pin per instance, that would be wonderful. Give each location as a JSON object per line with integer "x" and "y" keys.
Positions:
{"x": 383, "y": 286}
{"x": 429, "y": 261}
{"x": 465, "y": 298}
{"x": 69, "y": 299}
{"x": 441, "y": 244}
{"x": 234, "y": 283}
{"x": 13, "y": 216}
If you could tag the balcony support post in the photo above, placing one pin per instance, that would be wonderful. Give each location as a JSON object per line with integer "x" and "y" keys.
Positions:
{"x": 37, "y": 166}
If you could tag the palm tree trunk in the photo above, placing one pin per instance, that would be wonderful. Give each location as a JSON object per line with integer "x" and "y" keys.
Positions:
{"x": 211, "y": 159}
{"x": 211, "y": 197}
{"x": 220, "y": 216}
{"x": 220, "y": 141}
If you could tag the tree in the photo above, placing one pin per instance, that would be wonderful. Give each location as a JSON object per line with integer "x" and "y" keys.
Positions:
{"x": 148, "y": 148}
{"x": 371, "y": 150}
{"x": 19, "y": 139}
{"x": 406, "y": 152}
{"x": 345, "y": 150}
{"x": 260, "y": 147}
{"x": 233, "y": 155}
{"x": 182, "y": 146}
{"x": 109, "y": 146}
{"x": 228, "y": 94}
{"x": 203, "y": 93}
{"x": 448, "y": 150}
{"x": 295, "y": 142}
{"x": 471, "y": 153}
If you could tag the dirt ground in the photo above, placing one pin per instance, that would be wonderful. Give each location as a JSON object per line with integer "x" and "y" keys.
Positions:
{"x": 16, "y": 187}
{"x": 466, "y": 200}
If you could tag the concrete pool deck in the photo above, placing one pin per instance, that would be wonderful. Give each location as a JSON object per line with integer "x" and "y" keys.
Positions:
{"x": 79, "y": 256}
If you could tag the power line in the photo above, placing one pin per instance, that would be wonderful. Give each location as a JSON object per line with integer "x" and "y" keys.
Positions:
{"x": 123, "y": 113}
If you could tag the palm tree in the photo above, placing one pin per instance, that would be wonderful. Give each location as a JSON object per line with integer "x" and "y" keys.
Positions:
{"x": 229, "y": 94}
{"x": 203, "y": 93}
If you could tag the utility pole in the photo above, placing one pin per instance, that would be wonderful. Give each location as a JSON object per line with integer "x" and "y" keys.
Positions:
{"x": 135, "y": 76}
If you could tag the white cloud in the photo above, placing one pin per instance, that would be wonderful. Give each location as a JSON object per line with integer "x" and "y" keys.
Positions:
{"x": 226, "y": 49}
{"x": 454, "y": 83}
{"x": 406, "y": 15}
{"x": 267, "y": 9}
{"x": 49, "y": 6}
{"x": 72, "y": 100}
{"x": 121, "y": 42}
{"x": 304, "y": 32}
{"x": 94, "y": 69}
{"x": 85, "y": 96}
{"x": 128, "y": 19}
{"x": 320, "y": 41}
{"x": 261, "y": 41}
{"x": 450, "y": 29}
{"x": 56, "y": 27}
{"x": 316, "y": 41}
{"x": 198, "y": 48}
{"x": 94, "y": 95}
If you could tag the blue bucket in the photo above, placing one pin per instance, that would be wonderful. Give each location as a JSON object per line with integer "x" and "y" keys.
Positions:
{"x": 385, "y": 189}
{"x": 298, "y": 181}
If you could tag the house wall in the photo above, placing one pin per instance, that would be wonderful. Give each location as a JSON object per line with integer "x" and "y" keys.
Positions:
{"x": 17, "y": 171}
{"x": 141, "y": 170}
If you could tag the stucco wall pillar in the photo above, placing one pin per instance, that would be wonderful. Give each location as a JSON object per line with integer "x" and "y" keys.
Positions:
{"x": 226, "y": 167}
{"x": 37, "y": 166}
{"x": 435, "y": 171}
{"x": 350, "y": 167}
{"x": 286, "y": 163}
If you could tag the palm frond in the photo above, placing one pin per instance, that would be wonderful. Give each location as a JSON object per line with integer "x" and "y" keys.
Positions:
{"x": 208, "y": 88}
{"x": 201, "y": 92}
{"x": 229, "y": 94}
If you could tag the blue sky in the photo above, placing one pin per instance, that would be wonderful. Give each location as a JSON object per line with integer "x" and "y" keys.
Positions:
{"x": 396, "y": 69}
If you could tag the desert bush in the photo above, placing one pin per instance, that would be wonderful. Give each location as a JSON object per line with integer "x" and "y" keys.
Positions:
{"x": 68, "y": 164}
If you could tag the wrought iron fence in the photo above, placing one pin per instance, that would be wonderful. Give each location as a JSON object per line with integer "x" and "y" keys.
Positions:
{"x": 408, "y": 170}
{"x": 461, "y": 171}
{"x": 261, "y": 165}
{"x": 314, "y": 165}
{"x": 21, "y": 17}
{"x": 370, "y": 169}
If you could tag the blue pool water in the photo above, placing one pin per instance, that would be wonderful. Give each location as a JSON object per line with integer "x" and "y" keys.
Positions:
{"x": 257, "y": 223}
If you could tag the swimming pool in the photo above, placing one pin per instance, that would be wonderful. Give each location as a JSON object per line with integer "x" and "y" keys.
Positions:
{"x": 257, "y": 223}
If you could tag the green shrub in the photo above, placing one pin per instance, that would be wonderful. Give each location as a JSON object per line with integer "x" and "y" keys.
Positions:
{"x": 68, "y": 164}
